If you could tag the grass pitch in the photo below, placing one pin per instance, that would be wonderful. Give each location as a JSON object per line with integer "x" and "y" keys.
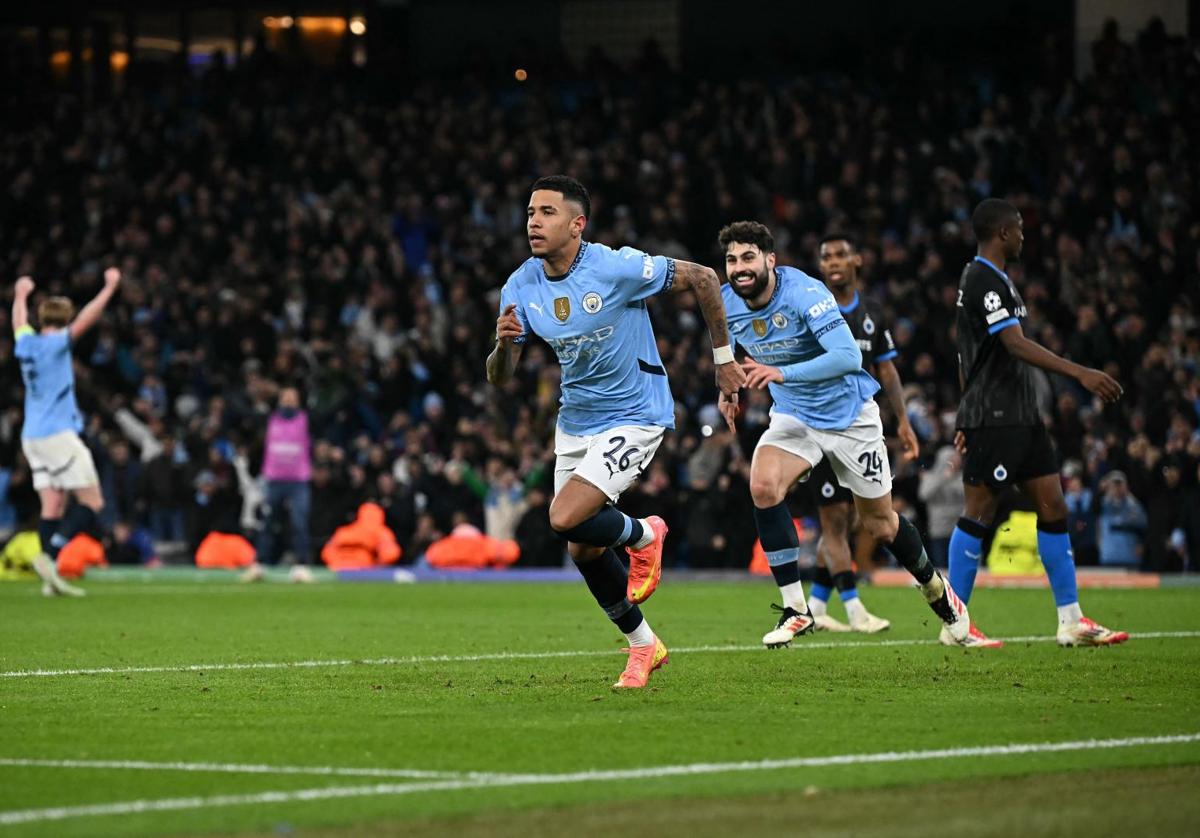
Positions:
{"x": 347, "y": 709}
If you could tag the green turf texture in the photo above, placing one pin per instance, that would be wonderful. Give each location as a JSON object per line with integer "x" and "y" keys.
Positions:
{"x": 559, "y": 714}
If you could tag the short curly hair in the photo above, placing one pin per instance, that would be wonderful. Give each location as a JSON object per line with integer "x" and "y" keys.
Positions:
{"x": 747, "y": 232}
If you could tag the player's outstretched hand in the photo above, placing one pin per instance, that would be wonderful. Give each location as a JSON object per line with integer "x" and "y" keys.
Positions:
{"x": 759, "y": 375}
{"x": 960, "y": 442}
{"x": 508, "y": 326}
{"x": 730, "y": 378}
{"x": 1102, "y": 384}
{"x": 728, "y": 405}
{"x": 908, "y": 438}
{"x": 112, "y": 277}
{"x": 24, "y": 286}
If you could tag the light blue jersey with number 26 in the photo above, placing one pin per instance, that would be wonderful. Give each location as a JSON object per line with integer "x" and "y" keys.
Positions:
{"x": 595, "y": 320}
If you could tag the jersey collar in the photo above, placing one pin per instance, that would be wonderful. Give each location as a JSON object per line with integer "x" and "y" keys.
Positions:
{"x": 853, "y": 305}
{"x": 991, "y": 265}
{"x": 583, "y": 246}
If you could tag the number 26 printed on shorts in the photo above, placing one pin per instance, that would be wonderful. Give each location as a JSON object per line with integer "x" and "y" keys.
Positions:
{"x": 619, "y": 457}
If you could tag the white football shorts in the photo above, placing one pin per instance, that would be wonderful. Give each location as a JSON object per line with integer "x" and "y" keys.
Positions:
{"x": 60, "y": 461}
{"x": 858, "y": 454}
{"x": 610, "y": 460}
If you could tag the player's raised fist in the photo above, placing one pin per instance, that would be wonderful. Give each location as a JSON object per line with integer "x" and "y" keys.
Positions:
{"x": 508, "y": 325}
{"x": 1102, "y": 384}
{"x": 112, "y": 277}
{"x": 25, "y": 286}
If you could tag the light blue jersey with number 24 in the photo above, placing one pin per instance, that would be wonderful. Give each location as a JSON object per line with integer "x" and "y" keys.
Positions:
{"x": 787, "y": 331}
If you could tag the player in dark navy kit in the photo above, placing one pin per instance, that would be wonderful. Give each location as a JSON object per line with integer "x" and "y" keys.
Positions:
{"x": 1000, "y": 430}
{"x": 840, "y": 262}
{"x": 588, "y": 302}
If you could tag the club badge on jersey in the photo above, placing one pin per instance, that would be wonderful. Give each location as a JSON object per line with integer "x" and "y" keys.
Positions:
{"x": 595, "y": 319}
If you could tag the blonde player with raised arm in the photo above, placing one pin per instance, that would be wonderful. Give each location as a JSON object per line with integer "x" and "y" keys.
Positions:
{"x": 62, "y": 465}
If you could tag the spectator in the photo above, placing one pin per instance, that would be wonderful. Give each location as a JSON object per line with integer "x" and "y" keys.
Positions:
{"x": 540, "y": 545}
{"x": 1165, "y": 539}
{"x": 8, "y": 512}
{"x": 121, "y": 483}
{"x": 1081, "y": 518}
{"x": 287, "y": 469}
{"x": 331, "y": 502}
{"x": 163, "y": 491}
{"x": 131, "y": 545}
{"x": 1122, "y": 523}
{"x": 376, "y": 292}
{"x": 215, "y": 507}
{"x": 941, "y": 491}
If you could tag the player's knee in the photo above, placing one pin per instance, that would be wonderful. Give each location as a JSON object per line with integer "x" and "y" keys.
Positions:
{"x": 562, "y": 518}
{"x": 765, "y": 493}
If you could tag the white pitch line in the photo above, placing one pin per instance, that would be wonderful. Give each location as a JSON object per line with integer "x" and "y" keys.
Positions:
{"x": 501, "y": 780}
{"x": 236, "y": 768}
{"x": 499, "y": 656}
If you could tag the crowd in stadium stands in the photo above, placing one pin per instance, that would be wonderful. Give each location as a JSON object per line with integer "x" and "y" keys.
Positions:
{"x": 277, "y": 229}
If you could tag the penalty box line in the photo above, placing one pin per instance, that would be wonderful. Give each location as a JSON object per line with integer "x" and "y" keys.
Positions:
{"x": 130, "y": 807}
{"x": 501, "y": 656}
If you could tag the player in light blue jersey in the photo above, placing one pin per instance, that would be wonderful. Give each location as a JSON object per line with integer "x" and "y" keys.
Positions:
{"x": 61, "y": 464}
{"x": 799, "y": 347}
{"x": 588, "y": 302}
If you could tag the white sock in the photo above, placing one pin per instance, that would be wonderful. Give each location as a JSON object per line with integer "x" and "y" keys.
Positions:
{"x": 640, "y": 636}
{"x": 793, "y": 596}
{"x": 647, "y": 535}
{"x": 819, "y": 607}
{"x": 855, "y": 610}
{"x": 1069, "y": 615}
{"x": 44, "y": 566}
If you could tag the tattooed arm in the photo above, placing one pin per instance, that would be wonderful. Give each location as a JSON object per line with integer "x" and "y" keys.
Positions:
{"x": 703, "y": 282}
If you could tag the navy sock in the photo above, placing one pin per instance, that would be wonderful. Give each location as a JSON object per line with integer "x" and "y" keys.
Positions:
{"x": 847, "y": 586}
{"x": 966, "y": 549}
{"x": 47, "y": 527}
{"x": 822, "y": 584}
{"x": 1054, "y": 547}
{"x": 909, "y": 550}
{"x": 606, "y": 578}
{"x": 780, "y": 542}
{"x": 610, "y": 527}
{"x": 79, "y": 519}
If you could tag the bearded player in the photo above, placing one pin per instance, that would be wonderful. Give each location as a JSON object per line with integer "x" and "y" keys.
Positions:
{"x": 800, "y": 348}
